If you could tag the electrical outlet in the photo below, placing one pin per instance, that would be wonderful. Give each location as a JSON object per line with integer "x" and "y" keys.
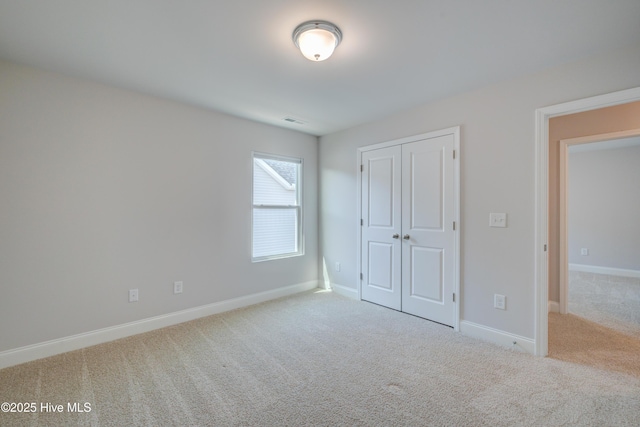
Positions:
{"x": 584, "y": 251}
{"x": 133, "y": 295}
{"x": 499, "y": 302}
{"x": 497, "y": 220}
{"x": 337, "y": 266}
{"x": 177, "y": 287}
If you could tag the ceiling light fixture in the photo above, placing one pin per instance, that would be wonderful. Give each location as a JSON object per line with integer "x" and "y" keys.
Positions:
{"x": 317, "y": 39}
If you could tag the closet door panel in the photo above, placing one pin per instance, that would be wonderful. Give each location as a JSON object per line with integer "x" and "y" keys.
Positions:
{"x": 427, "y": 229}
{"x": 381, "y": 225}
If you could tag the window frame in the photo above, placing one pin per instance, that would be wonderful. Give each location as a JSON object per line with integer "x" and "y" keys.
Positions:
{"x": 298, "y": 208}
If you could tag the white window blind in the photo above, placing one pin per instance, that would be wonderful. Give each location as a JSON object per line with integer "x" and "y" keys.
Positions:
{"x": 277, "y": 210}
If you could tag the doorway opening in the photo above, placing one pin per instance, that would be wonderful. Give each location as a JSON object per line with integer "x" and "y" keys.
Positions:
{"x": 546, "y": 245}
{"x": 570, "y": 148}
{"x": 597, "y": 322}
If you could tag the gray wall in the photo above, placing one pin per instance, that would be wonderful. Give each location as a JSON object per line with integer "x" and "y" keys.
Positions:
{"x": 497, "y": 175}
{"x": 103, "y": 190}
{"x": 603, "y": 207}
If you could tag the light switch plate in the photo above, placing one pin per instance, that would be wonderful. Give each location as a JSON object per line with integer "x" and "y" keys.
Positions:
{"x": 497, "y": 219}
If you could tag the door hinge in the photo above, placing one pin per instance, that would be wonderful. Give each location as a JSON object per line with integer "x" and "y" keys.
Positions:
{"x": 454, "y": 154}
{"x": 361, "y": 276}
{"x": 545, "y": 248}
{"x": 454, "y": 226}
{"x": 361, "y": 168}
{"x": 361, "y": 221}
{"x": 454, "y": 297}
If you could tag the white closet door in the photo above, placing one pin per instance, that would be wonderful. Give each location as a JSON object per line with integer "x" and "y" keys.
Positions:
{"x": 428, "y": 236}
{"x": 381, "y": 216}
{"x": 408, "y": 242}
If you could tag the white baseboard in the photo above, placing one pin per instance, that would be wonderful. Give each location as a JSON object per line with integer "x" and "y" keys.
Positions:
{"x": 497, "y": 336}
{"x": 76, "y": 342}
{"x": 344, "y": 291}
{"x": 554, "y": 307}
{"x": 604, "y": 270}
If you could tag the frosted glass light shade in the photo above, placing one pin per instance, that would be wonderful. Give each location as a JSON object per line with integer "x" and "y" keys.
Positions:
{"x": 317, "y": 39}
{"x": 317, "y": 45}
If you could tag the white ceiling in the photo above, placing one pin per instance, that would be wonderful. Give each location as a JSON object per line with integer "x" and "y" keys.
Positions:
{"x": 237, "y": 56}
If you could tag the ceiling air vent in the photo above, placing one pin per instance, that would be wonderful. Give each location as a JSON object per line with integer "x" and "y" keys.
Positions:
{"x": 293, "y": 120}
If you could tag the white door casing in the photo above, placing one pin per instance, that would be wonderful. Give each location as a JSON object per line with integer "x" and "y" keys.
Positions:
{"x": 408, "y": 246}
{"x": 542, "y": 116}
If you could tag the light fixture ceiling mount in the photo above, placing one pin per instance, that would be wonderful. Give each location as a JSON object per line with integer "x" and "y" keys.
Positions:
{"x": 317, "y": 39}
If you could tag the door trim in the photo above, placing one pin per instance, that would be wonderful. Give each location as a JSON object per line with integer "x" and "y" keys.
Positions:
{"x": 455, "y": 131}
{"x": 541, "y": 279}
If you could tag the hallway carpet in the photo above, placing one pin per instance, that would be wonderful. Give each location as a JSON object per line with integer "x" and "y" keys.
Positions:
{"x": 603, "y": 327}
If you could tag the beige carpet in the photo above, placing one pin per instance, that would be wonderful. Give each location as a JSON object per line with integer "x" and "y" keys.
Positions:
{"x": 316, "y": 359}
{"x": 578, "y": 340}
{"x": 612, "y": 301}
{"x": 603, "y": 328}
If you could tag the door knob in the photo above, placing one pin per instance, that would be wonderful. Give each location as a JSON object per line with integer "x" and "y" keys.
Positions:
{"x": 406, "y": 237}
{"x": 396, "y": 236}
